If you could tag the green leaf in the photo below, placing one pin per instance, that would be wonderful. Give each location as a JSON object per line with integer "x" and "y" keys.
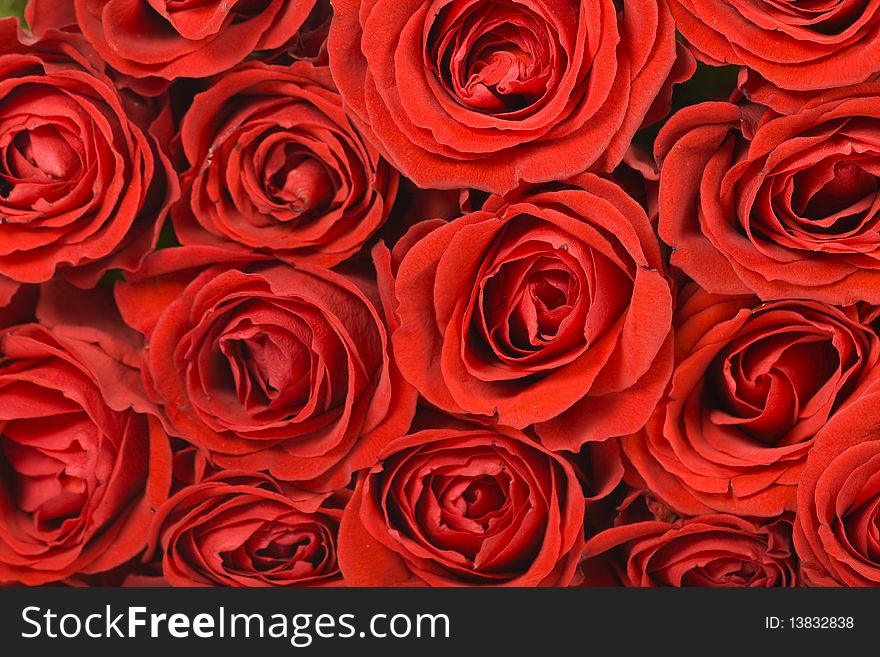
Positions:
{"x": 12, "y": 8}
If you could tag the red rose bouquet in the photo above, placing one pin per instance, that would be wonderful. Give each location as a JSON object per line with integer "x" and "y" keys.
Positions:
{"x": 453, "y": 293}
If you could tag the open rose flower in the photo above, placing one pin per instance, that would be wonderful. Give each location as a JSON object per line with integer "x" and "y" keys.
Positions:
{"x": 712, "y": 550}
{"x": 83, "y": 188}
{"x": 786, "y": 207}
{"x": 549, "y": 308}
{"x": 277, "y": 166}
{"x": 800, "y": 46}
{"x": 752, "y": 385}
{"x": 457, "y": 506}
{"x": 174, "y": 38}
{"x": 241, "y": 529}
{"x": 487, "y": 94}
{"x": 266, "y": 366}
{"x": 82, "y": 467}
{"x": 838, "y": 502}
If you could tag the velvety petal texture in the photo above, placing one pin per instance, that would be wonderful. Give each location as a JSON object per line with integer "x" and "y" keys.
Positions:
{"x": 266, "y": 366}
{"x": 796, "y": 45}
{"x": 707, "y": 551}
{"x": 838, "y": 518}
{"x": 276, "y": 166}
{"x": 548, "y": 308}
{"x": 247, "y": 530}
{"x": 84, "y": 461}
{"x": 83, "y": 186}
{"x": 458, "y": 506}
{"x": 172, "y": 39}
{"x": 753, "y": 384}
{"x": 486, "y": 94}
{"x": 783, "y": 206}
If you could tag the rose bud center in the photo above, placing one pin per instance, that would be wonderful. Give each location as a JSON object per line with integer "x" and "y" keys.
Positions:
{"x": 38, "y": 163}
{"x": 492, "y": 57}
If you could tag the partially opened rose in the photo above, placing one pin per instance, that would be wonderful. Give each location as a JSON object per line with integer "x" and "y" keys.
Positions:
{"x": 246, "y": 529}
{"x": 83, "y": 467}
{"x": 277, "y": 166}
{"x": 753, "y": 384}
{"x": 266, "y": 366}
{"x": 463, "y": 506}
{"x": 712, "y": 550}
{"x": 801, "y": 46}
{"x": 487, "y": 94}
{"x": 786, "y": 207}
{"x": 838, "y": 510}
{"x": 83, "y": 188}
{"x": 548, "y": 308}
{"x": 175, "y": 38}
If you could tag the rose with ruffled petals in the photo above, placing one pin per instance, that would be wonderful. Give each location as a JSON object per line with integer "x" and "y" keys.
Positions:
{"x": 464, "y": 506}
{"x": 752, "y": 385}
{"x": 782, "y": 206}
{"x": 711, "y": 550}
{"x": 277, "y": 166}
{"x": 172, "y": 39}
{"x": 83, "y": 467}
{"x": 548, "y": 308}
{"x": 487, "y": 94}
{"x": 83, "y": 188}
{"x": 838, "y": 502}
{"x": 799, "y": 46}
{"x": 243, "y": 529}
{"x": 266, "y": 366}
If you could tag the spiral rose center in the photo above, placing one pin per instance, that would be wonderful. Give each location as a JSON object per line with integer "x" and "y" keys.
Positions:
{"x": 298, "y": 181}
{"x": 492, "y": 57}
{"x": 269, "y": 364}
{"x": 50, "y": 467}
{"x": 276, "y": 548}
{"x": 729, "y": 571}
{"x": 761, "y": 385}
{"x": 40, "y": 161}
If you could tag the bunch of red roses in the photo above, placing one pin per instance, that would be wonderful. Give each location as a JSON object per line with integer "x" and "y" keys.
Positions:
{"x": 382, "y": 292}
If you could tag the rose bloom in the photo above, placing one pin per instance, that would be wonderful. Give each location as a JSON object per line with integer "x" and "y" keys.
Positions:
{"x": 463, "y": 506}
{"x": 266, "y": 366}
{"x": 752, "y": 385}
{"x": 549, "y": 307}
{"x": 174, "y": 38}
{"x": 488, "y": 94}
{"x": 83, "y": 467}
{"x": 246, "y": 529}
{"x": 17, "y": 302}
{"x": 707, "y": 551}
{"x": 83, "y": 188}
{"x": 277, "y": 166}
{"x": 794, "y": 45}
{"x": 838, "y": 500}
{"x": 782, "y": 206}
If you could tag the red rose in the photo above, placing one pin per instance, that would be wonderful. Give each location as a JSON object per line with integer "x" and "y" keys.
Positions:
{"x": 794, "y": 45}
{"x": 244, "y": 529}
{"x": 17, "y": 302}
{"x": 711, "y": 550}
{"x": 277, "y": 166}
{"x": 83, "y": 188}
{"x": 175, "y": 38}
{"x": 266, "y": 366}
{"x": 752, "y": 385}
{"x": 463, "y": 506}
{"x": 488, "y": 94}
{"x": 782, "y": 206}
{"x": 838, "y": 500}
{"x": 549, "y": 308}
{"x": 82, "y": 468}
